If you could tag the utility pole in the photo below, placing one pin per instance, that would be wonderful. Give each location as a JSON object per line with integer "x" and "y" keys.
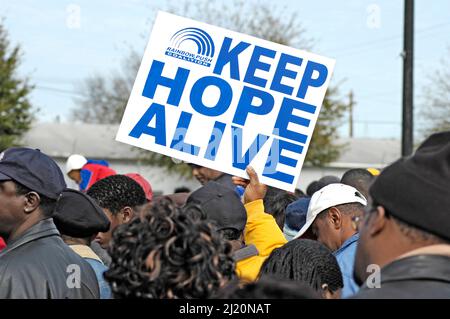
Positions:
{"x": 408, "y": 59}
{"x": 351, "y": 103}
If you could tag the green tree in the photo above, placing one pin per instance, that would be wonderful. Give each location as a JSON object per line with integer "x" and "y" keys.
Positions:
{"x": 15, "y": 108}
{"x": 269, "y": 22}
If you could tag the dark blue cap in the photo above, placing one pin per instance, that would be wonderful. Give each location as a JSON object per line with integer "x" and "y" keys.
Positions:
{"x": 296, "y": 213}
{"x": 33, "y": 169}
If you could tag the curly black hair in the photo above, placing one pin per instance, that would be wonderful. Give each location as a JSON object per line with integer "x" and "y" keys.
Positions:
{"x": 304, "y": 260}
{"x": 169, "y": 252}
{"x": 116, "y": 192}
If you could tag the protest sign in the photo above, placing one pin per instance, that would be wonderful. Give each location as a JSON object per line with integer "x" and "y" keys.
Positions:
{"x": 224, "y": 100}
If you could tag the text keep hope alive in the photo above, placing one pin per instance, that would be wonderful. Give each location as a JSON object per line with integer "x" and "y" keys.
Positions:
{"x": 255, "y": 98}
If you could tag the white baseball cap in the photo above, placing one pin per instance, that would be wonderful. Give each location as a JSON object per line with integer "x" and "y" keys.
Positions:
{"x": 329, "y": 196}
{"x": 75, "y": 161}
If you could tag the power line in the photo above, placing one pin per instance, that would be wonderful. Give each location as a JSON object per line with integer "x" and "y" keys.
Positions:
{"x": 53, "y": 89}
{"x": 355, "y": 49}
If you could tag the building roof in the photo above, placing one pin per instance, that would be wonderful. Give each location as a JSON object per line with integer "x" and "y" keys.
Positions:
{"x": 97, "y": 141}
{"x": 367, "y": 152}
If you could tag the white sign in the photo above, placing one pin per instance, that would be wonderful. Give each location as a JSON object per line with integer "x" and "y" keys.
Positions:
{"x": 224, "y": 100}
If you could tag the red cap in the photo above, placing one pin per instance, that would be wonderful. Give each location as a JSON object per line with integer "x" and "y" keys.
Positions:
{"x": 2, "y": 244}
{"x": 144, "y": 184}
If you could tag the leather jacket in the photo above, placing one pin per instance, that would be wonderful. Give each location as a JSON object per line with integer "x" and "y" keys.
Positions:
{"x": 419, "y": 276}
{"x": 38, "y": 265}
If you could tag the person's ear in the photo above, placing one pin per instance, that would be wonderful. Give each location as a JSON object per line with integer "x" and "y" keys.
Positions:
{"x": 377, "y": 221}
{"x": 32, "y": 201}
{"x": 335, "y": 217}
{"x": 127, "y": 214}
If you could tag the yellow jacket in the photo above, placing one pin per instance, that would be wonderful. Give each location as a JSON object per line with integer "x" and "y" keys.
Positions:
{"x": 262, "y": 231}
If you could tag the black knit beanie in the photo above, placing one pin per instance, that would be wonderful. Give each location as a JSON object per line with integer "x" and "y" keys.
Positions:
{"x": 416, "y": 189}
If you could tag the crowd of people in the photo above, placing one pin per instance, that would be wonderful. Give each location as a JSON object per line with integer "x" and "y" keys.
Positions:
{"x": 368, "y": 234}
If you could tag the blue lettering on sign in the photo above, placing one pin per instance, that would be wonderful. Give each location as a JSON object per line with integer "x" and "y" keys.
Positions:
{"x": 256, "y": 64}
{"x": 156, "y": 111}
{"x": 226, "y": 95}
{"x": 227, "y": 56}
{"x": 282, "y": 72}
{"x": 308, "y": 81}
{"x": 176, "y": 85}
{"x": 275, "y": 158}
{"x": 242, "y": 161}
{"x": 285, "y": 117}
{"x": 252, "y": 101}
{"x": 180, "y": 135}
{"x": 214, "y": 141}
{"x": 246, "y": 106}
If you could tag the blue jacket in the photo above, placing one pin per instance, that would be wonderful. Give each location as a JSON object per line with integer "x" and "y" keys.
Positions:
{"x": 345, "y": 256}
{"x": 99, "y": 269}
{"x": 97, "y": 265}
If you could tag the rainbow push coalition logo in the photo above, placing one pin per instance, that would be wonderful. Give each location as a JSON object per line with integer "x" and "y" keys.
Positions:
{"x": 192, "y": 45}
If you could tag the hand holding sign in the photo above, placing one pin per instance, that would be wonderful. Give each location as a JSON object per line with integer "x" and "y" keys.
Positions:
{"x": 254, "y": 189}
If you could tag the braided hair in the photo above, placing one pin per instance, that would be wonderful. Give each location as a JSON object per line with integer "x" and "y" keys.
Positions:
{"x": 304, "y": 260}
{"x": 169, "y": 252}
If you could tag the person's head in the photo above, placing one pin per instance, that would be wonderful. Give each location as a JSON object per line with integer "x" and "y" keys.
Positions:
{"x": 313, "y": 187}
{"x": 268, "y": 200}
{"x": 335, "y": 225}
{"x": 296, "y": 218}
{"x": 170, "y": 253}
{"x": 268, "y": 287}
{"x": 276, "y": 206}
{"x": 121, "y": 198}
{"x": 359, "y": 178}
{"x": 321, "y": 183}
{"x": 204, "y": 174}
{"x": 79, "y": 218}
{"x": 74, "y": 164}
{"x": 331, "y": 214}
{"x": 408, "y": 207}
{"x": 30, "y": 184}
{"x": 306, "y": 261}
{"x": 327, "y": 180}
{"x": 223, "y": 207}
